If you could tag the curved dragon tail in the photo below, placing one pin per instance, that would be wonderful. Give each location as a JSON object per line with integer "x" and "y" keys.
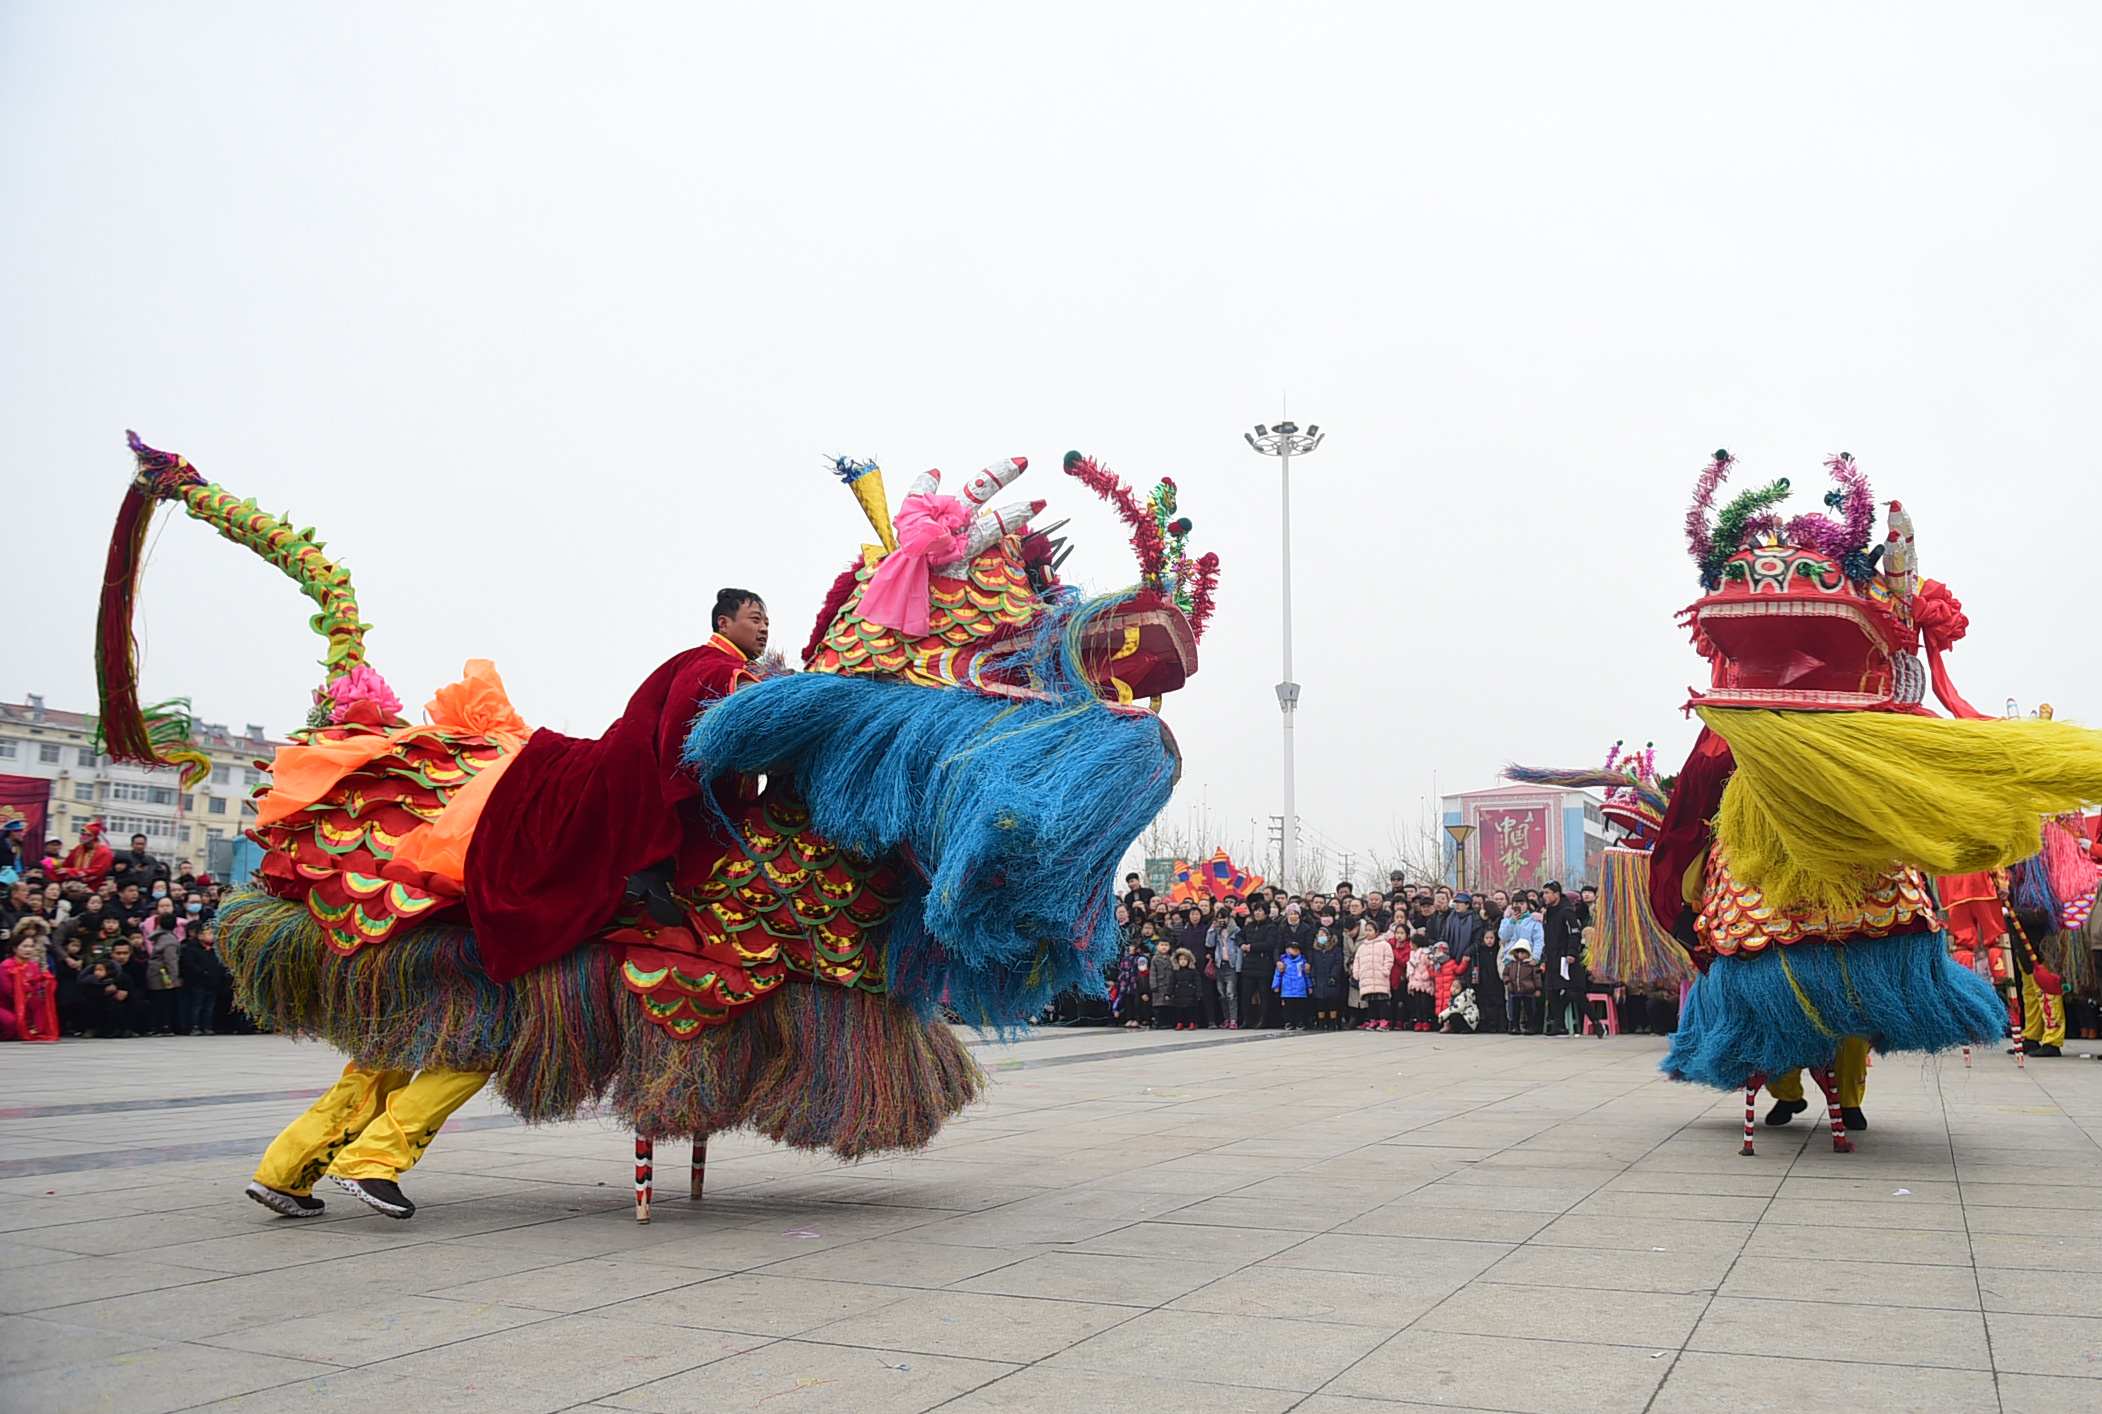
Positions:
{"x": 159, "y": 735}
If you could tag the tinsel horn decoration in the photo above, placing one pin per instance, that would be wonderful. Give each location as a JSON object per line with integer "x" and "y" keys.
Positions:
{"x": 865, "y": 480}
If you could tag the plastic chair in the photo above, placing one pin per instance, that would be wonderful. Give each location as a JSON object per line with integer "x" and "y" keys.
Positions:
{"x": 1612, "y": 1012}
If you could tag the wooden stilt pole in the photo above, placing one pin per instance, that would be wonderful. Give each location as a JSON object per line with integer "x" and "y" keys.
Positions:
{"x": 700, "y": 1167}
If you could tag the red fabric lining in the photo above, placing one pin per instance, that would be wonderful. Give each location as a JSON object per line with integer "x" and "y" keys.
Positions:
{"x": 572, "y": 818}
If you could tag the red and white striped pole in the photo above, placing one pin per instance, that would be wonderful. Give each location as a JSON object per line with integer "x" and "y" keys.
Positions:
{"x": 1828, "y": 1082}
{"x": 1751, "y": 1100}
{"x": 645, "y": 1154}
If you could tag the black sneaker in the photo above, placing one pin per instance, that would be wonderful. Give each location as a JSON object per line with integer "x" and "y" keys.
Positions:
{"x": 1785, "y": 1111}
{"x": 1852, "y": 1117}
{"x": 2039, "y": 1048}
{"x": 286, "y": 1205}
{"x": 382, "y": 1195}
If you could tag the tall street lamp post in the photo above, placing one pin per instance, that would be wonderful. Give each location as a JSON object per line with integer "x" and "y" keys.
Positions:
{"x": 1283, "y": 442}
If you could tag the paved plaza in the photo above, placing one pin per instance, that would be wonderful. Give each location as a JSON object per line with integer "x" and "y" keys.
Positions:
{"x": 1219, "y": 1222}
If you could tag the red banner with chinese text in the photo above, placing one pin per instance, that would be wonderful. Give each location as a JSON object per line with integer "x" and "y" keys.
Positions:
{"x": 1513, "y": 845}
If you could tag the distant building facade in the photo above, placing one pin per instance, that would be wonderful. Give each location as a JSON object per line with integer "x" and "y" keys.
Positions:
{"x": 1524, "y": 836}
{"x": 131, "y": 800}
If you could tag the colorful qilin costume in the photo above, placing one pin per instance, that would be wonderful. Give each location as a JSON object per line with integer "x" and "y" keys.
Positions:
{"x": 1822, "y": 795}
{"x": 926, "y": 818}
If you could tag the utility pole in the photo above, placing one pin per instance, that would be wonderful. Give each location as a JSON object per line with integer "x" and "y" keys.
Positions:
{"x": 1282, "y": 442}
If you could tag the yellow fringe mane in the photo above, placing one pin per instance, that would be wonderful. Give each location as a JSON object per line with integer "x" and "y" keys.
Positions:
{"x": 1823, "y": 800}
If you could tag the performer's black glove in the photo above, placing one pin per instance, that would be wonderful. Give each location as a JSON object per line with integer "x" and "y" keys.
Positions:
{"x": 651, "y": 888}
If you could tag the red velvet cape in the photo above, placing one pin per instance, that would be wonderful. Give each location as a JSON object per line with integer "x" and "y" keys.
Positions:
{"x": 1687, "y": 829}
{"x": 573, "y": 818}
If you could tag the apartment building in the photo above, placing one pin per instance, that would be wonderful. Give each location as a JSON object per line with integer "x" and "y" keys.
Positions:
{"x": 178, "y": 824}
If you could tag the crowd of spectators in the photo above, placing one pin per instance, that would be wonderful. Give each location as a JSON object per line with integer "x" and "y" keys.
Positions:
{"x": 130, "y": 952}
{"x": 1415, "y": 957}
{"x": 133, "y": 953}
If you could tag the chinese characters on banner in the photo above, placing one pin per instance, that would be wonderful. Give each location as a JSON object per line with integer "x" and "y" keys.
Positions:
{"x": 1513, "y": 845}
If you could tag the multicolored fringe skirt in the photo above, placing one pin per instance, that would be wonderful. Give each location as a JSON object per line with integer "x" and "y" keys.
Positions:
{"x": 1784, "y": 1008}
{"x": 815, "y": 1067}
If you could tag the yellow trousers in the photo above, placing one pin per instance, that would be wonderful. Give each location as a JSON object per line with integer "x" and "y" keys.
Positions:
{"x": 2043, "y": 1015}
{"x": 370, "y": 1124}
{"x": 1850, "y": 1070}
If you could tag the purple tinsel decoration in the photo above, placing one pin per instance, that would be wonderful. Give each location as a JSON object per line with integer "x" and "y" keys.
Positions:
{"x": 1765, "y": 523}
{"x": 1712, "y": 477}
{"x": 1827, "y": 536}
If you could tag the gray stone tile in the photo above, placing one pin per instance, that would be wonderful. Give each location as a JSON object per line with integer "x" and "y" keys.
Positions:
{"x": 2043, "y": 1293}
{"x": 2047, "y": 1394}
{"x": 380, "y": 1330}
{"x": 976, "y": 1325}
{"x": 1864, "y": 1283}
{"x": 1383, "y": 1300}
{"x": 1616, "y": 1270}
{"x": 561, "y": 1361}
{"x": 28, "y": 1289}
{"x": 1044, "y": 1389}
{"x": 1701, "y": 1382}
{"x": 343, "y": 1389}
{"x": 1413, "y": 1218}
{"x": 1501, "y": 1372}
{"x": 2040, "y": 1251}
{"x": 574, "y": 1286}
{"x": 1600, "y": 1232}
{"x": 1100, "y": 1277}
{"x": 2048, "y": 1345}
{"x": 1188, "y": 1241}
{"x": 1267, "y": 1353}
{"x": 1650, "y": 1319}
{"x": 1947, "y": 1247}
{"x": 896, "y": 1261}
{"x": 1888, "y": 1335}
{"x": 757, "y": 1303}
{"x": 148, "y": 1380}
{"x": 812, "y": 1379}
{"x": 30, "y": 1343}
{"x": 1423, "y": 1257}
{"x": 1615, "y": 1202}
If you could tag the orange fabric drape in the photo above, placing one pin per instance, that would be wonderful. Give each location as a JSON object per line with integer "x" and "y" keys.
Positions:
{"x": 475, "y": 705}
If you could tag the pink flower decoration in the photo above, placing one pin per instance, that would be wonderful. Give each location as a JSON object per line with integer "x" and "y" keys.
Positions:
{"x": 361, "y": 684}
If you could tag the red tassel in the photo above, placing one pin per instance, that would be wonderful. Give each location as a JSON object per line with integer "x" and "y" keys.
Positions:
{"x": 122, "y": 732}
{"x": 1145, "y": 534}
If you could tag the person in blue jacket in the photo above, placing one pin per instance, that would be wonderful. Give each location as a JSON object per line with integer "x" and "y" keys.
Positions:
{"x": 1291, "y": 981}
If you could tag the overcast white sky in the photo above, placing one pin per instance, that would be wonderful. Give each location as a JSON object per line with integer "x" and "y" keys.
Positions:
{"x": 546, "y": 315}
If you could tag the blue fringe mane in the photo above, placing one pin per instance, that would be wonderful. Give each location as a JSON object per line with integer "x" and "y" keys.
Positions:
{"x": 1015, "y": 813}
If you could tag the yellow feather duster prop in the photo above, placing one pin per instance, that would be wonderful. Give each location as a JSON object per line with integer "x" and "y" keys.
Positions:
{"x": 1821, "y": 801}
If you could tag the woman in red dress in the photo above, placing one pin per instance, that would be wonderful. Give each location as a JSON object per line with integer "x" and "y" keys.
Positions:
{"x": 28, "y": 991}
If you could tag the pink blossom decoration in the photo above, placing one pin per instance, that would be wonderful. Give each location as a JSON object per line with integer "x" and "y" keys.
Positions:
{"x": 361, "y": 684}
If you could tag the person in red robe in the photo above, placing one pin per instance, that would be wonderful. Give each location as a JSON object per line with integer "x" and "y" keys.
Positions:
{"x": 91, "y": 859}
{"x": 576, "y": 824}
{"x": 28, "y": 991}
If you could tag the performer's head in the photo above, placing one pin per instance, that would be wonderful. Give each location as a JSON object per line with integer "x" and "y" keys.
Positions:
{"x": 740, "y": 616}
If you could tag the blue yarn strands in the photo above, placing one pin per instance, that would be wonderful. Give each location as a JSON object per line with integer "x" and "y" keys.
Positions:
{"x": 1748, "y": 1015}
{"x": 2029, "y": 886}
{"x": 1015, "y": 812}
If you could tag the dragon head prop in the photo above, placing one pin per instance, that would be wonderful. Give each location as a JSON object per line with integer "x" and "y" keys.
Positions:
{"x": 962, "y": 599}
{"x": 1806, "y": 613}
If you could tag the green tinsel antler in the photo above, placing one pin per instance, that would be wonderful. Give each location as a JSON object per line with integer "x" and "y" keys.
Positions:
{"x": 1730, "y": 526}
